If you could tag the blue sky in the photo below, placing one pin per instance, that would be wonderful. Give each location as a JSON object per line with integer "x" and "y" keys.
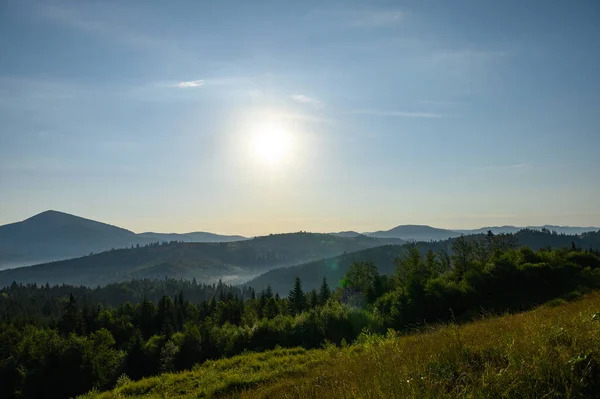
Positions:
{"x": 455, "y": 114}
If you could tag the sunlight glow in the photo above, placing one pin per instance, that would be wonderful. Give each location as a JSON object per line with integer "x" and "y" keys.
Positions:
{"x": 272, "y": 144}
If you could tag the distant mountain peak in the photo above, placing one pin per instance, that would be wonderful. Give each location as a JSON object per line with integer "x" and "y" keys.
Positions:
{"x": 57, "y": 218}
{"x": 415, "y": 226}
{"x": 50, "y": 213}
{"x": 415, "y": 232}
{"x": 54, "y": 235}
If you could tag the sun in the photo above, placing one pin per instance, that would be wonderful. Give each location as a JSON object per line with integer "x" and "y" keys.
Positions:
{"x": 271, "y": 144}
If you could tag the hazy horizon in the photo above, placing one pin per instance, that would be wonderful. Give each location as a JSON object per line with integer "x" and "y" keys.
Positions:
{"x": 268, "y": 117}
{"x": 384, "y": 228}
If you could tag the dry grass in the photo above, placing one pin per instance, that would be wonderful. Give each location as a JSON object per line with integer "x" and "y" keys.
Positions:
{"x": 545, "y": 353}
{"x": 549, "y": 352}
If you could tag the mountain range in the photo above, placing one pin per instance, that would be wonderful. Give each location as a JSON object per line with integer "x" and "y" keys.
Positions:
{"x": 415, "y": 233}
{"x": 514, "y": 229}
{"x": 53, "y": 235}
{"x": 333, "y": 269}
{"x": 412, "y": 232}
{"x": 232, "y": 262}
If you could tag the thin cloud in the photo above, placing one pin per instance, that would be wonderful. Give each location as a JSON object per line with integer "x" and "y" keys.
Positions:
{"x": 301, "y": 98}
{"x": 212, "y": 81}
{"x": 400, "y": 114}
{"x": 191, "y": 83}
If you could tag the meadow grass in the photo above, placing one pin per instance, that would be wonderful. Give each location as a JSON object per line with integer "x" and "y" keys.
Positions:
{"x": 549, "y": 352}
{"x": 220, "y": 377}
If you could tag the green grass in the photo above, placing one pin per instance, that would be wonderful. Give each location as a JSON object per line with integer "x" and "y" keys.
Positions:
{"x": 550, "y": 352}
{"x": 215, "y": 378}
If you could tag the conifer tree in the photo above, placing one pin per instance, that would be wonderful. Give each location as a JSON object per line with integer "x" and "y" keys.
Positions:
{"x": 296, "y": 298}
{"x": 324, "y": 292}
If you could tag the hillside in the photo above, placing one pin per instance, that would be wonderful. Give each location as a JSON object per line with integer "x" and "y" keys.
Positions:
{"x": 196, "y": 236}
{"x": 54, "y": 235}
{"x": 565, "y": 229}
{"x": 493, "y": 229}
{"x": 514, "y": 229}
{"x": 415, "y": 233}
{"x": 207, "y": 262}
{"x": 551, "y": 351}
{"x": 428, "y": 233}
{"x": 346, "y": 234}
{"x": 61, "y": 341}
{"x": 333, "y": 269}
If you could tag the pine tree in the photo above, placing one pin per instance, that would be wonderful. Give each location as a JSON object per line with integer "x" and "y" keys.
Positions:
{"x": 270, "y": 310}
{"x": 431, "y": 263}
{"x": 180, "y": 310}
{"x": 296, "y": 298}
{"x": 312, "y": 298}
{"x": 220, "y": 290}
{"x": 212, "y": 305}
{"x": 324, "y": 292}
{"x": 166, "y": 315}
{"x": 70, "y": 322}
{"x": 147, "y": 314}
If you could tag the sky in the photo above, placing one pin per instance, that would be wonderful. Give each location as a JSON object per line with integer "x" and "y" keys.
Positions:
{"x": 275, "y": 116}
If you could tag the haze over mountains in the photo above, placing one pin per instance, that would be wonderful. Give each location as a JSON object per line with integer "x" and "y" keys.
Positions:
{"x": 54, "y": 235}
{"x": 282, "y": 279}
{"x": 415, "y": 233}
{"x": 411, "y": 232}
{"x": 233, "y": 262}
{"x": 514, "y": 229}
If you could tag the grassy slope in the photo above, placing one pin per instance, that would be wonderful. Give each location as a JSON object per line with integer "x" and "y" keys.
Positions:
{"x": 547, "y": 352}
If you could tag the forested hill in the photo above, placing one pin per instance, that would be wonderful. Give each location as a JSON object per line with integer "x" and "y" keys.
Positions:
{"x": 544, "y": 238}
{"x": 281, "y": 280}
{"x": 416, "y": 233}
{"x": 333, "y": 269}
{"x": 207, "y": 262}
{"x": 53, "y": 235}
{"x": 63, "y": 341}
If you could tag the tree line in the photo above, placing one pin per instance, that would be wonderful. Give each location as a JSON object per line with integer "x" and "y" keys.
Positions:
{"x": 62, "y": 341}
